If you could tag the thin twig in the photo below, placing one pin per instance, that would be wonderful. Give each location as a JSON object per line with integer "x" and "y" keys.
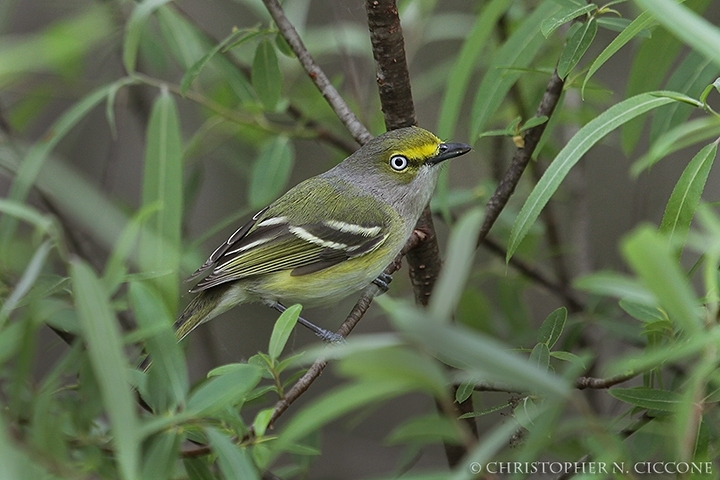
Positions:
{"x": 293, "y": 111}
{"x": 601, "y": 383}
{"x": 581, "y": 383}
{"x": 522, "y": 157}
{"x": 341, "y": 109}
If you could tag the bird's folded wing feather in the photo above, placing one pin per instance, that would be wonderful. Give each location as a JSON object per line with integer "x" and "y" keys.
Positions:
{"x": 270, "y": 244}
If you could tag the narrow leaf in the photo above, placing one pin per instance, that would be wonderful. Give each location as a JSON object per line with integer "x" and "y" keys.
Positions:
{"x": 517, "y": 52}
{"x": 160, "y": 455}
{"x": 551, "y": 24}
{"x": 223, "y": 391}
{"x": 648, "y": 398}
{"x": 576, "y": 47}
{"x": 335, "y": 404}
{"x": 540, "y": 356}
{"x": 104, "y": 344}
{"x": 682, "y": 136}
{"x": 271, "y": 171}
{"x": 266, "y": 77}
{"x": 685, "y": 196}
{"x": 168, "y": 374}
{"x": 552, "y": 327}
{"x": 162, "y": 187}
{"x": 616, "y": 285}
{"x": 234, "y": 461}
{"x": 638, "y": 25}
{"x": 690, "y": 77}
{"x": 425, "y": 429}
{"x": 134, "y": 30}
{"x": 479, "y": 356}
{"x": 647, "y": 253}
{"x": 26, "y": 282}
{"x": 583, "y": 140}
{"x": 282, "y": 330}
{"x": 462, "y": 70}
{"x": 689, "y": 27}
{"x": 457, "y": 266}
{"x": 197, "y": 67}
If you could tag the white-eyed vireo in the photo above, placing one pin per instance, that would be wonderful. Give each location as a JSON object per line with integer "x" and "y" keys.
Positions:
{"x": 327, "y": 237}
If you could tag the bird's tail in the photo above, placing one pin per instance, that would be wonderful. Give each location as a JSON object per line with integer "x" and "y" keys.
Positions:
{"x": 205, "y": 306}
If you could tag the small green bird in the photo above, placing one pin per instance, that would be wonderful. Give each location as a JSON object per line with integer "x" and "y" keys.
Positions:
{"x": 327, "y": 237}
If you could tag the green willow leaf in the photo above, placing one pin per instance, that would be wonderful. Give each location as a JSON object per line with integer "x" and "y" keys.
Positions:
{"x": 182, "y": 38}
{"x": 271, "y": 171}
{"x": 583, "y": 140}
{"x": 684, "y": 135}
{"x": 612, "y": 284}
{"x": 234, "y": 461}
{"x": 26, "y": 282}
{"x": 160, "y": 455}
{"x": 458, "y": 263}
{"x": 223, "y": 390}
{"x": 576, "y": 47}
{"x": 552, "y": 327}
{"x": 192, "y": 73}
{"x": 517, "y": 52}
{"x": 653, "y": 60}
{"x": 648, "y": 398}
{"x": 168, "y": 373}
{"x": 690, "y": 77}
{"x": 104, "y": 343}
{"x": 563, "y": 16}
{"x": 647, "y": 253}
{"x": 464, "y": 66}
{"x": 134, "y": 30}
{"x": 266, "y": 77}
{"x": 334, "y": 404}
{"x": 425, "y": 429}
{"x": 282, "y": 330}
{"x": 685, "y": 196}
{"x": 638, "y": 25}
{"x": 540, "y": 356}
{"x": 691, "y": 28}
{"x": 162, "y": 186}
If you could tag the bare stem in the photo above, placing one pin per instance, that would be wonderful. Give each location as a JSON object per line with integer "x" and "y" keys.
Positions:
{"x": 341, "y": 109}
{"x": 522, "y": 157}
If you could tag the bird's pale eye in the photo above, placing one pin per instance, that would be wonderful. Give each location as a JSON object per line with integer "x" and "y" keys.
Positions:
{"x": 398, "y": 162}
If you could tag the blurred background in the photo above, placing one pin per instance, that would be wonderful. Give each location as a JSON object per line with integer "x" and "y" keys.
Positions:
{"x": 598, "y": 204}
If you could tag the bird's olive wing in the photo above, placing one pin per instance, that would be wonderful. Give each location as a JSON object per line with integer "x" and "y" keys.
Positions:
{"x": 273, "y": 244}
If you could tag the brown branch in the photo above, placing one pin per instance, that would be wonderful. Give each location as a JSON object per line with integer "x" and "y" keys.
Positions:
{"x": 602, "y": 383}
{"x": 522, "y": 157}
{"x": 392, "y": 75}
{"x": 393, "y": 80}
{"x": 341, "y": 109}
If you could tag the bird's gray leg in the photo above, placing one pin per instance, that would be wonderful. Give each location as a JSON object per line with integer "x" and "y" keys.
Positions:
{"x": 325, "y": 335}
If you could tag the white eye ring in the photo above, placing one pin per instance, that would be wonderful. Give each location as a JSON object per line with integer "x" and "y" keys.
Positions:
{"x": 398, "y": 162}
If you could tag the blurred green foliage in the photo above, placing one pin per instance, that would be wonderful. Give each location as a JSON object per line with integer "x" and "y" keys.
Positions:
{"x": 92, "y": 414}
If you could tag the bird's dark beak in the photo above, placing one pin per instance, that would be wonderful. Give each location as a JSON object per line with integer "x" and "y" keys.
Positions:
{"x": 447, "y": 151}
